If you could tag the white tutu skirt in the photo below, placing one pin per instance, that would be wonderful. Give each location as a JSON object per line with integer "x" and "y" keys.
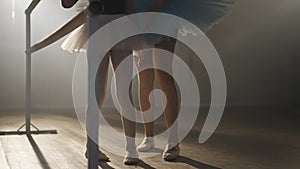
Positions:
{"x": 76, "y": 41}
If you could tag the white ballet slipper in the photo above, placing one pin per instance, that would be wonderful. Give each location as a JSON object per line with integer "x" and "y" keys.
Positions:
{"x": 171, "y": 152}
{"x": 131, "y": 157}
{"x": 146, "y": 145}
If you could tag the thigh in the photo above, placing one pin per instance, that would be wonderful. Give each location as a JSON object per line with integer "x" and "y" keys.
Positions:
{"x": 164, "y": 53}
{"x": 122, "y": 50}
{"x": 118, "y": 56}
{"x": 101, "y": 78}
{"x": 143, "y": 59}
{"x": 103, "y": 68}
{"x": 122, "y": 64}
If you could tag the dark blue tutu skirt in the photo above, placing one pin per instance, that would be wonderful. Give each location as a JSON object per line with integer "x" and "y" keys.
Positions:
{"x": 202, "y": 13}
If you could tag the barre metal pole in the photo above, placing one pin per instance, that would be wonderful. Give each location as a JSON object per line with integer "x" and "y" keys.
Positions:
{"x": 28, "y": 74}
{"x": 31, "y": 7}
{"x": 92, "y": 110}
{"x": 28, "y": 124}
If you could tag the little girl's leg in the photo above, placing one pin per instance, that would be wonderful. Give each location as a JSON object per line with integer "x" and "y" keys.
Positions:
{"x": 146, "y": 84}
{"x": 167, "y": 84}
{"x": 101, "y": 83}
{"x": 117, "y": 56}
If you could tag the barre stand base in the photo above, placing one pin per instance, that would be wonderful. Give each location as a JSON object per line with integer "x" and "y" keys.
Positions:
{"x": 19, "y": 132}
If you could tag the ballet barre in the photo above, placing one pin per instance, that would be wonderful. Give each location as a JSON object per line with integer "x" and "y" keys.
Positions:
{"x": 95, "y": 7}
{"x": 28, "y": 124}
{"x": 31, "y": 7}
{"x": 78, "y": 20}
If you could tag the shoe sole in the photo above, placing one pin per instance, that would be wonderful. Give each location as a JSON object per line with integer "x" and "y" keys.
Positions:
{"x": 131, "y": 162}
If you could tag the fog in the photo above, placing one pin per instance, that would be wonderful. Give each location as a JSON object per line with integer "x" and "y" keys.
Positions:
{"x": 258, "y": 44}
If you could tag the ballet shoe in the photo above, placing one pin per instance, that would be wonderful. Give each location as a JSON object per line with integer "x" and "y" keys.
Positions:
{"x": 130, "y": 161}
{"x": 131, "y": 158}
{"x": 101, "y": 156}
{"x": 171, "y": 152}
{"x": 146, "y": 145}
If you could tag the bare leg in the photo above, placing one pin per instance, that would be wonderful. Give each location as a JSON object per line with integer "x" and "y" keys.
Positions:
{"x": 101, "y": 83}
{"x": 167, "y": 85}
{"x": 129, "y": 126}
{"x": 117, "y": 58}
{"x": 146, "y": 81}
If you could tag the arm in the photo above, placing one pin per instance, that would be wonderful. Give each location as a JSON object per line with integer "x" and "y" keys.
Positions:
{"x": 68, "y": 3}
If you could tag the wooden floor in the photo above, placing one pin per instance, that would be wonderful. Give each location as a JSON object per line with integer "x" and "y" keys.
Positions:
{"x": 247, "y": 138}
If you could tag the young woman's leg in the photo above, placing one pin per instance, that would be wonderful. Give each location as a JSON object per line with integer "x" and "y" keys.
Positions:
{"x": 146, "y": 82}
{"x": 146, "y": 85}
{"x": 101, "y": 83}
{"x": 129, "y": 126}
{"x": 168, "y": 86}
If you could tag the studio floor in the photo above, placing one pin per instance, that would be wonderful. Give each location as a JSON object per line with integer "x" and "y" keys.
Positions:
{"x": 247, "y": 138}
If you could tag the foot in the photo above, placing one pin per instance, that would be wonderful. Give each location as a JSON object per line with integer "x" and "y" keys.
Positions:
{"x": 171, "y": 152}
{"x": 101, "y": 156}
{"x": 146, "y": 145}
{"x": 130, "y": 161}
{"x": 131, "y": 158}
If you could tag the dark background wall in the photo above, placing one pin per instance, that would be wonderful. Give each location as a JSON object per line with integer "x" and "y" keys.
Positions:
{"x": 258, "y": 45}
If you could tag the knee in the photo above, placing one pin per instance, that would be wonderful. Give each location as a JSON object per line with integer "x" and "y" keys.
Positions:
{"x": 100, "y": 94}
{"x": 162, "y": 75}
{"x": 146, "y": 76}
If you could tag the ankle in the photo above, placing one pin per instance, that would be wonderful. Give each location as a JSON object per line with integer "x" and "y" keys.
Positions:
{"x": 172, "y": 144}
{"x": 131, "y": 154}
{"x": 151, "y": 139}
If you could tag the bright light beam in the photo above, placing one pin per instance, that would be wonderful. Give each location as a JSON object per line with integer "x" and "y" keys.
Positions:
{"x": 13, "y": 12}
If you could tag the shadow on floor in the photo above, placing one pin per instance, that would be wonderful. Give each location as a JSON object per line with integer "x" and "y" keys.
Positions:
{"x": 38, "y": 153}
{"x": 144, "y": 165}
{"x": 155, "y": 150}
{"x": 194, "y": 163}
{"x": 104, "y": 165}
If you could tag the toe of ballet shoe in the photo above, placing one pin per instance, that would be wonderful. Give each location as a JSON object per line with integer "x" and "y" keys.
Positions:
{"x": 143, "y": 148}
{"x": 171, "y": 154}
{"x": 130, "y": 161}
{"x": 101, "y": 157}
{"x": 146, "y": 145}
